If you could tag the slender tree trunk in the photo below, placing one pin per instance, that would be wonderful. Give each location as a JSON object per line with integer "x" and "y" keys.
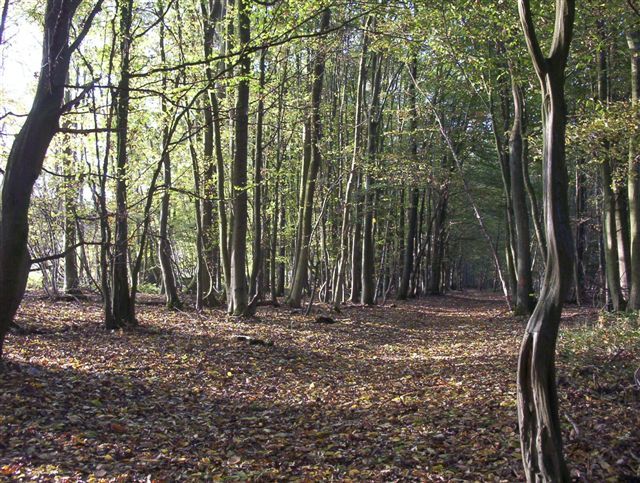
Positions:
{"x": 501, "y": 145}
{"x": 356, "y": 244}
{"x": 164, "y": 245}
{"x": 581, "y": 241}
{"x": 622, "y": 236}
{"x": 368, "y": 244}
{"x": 353, "y": 175}
{"x": 70, "y": 202}
{"x": 281, "y": 273}
{"x": 414, "y": 196}
{"x": 524, "y": 302}
{"x": 609, "y": 229}
{"x": 200, "y": 270}
{"x": 254, "y": 285}
{"x": 214, "y": 13}
{"x": 302, "y": 261}
{"x": 121, "y": 303}
{"x": 536, "y": 216}
{"x": 239, "y": 297}
{"x": 437, "y": 247}
{"x": 633, "y": 39}
{"x": 540, "y": 434}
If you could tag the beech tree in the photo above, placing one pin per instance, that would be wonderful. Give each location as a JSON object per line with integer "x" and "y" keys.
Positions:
{"x": 540, "y": 436}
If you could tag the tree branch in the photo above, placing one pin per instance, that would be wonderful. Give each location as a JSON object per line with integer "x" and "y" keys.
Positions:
{"x": 35, "y": 261}
{"x": 85, "y": 28}
{"x": 533, "y": 45}
{"x": 563, "y": 31}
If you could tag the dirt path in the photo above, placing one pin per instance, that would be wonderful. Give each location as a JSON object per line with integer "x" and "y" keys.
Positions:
{"x": 421, "y": 391}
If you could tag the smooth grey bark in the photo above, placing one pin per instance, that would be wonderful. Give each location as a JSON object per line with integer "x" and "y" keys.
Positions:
{"x": 502, "y": 151}
{"x": 633, "y": 187}
{"x": 524, "y": 299}
{"x": 580, "y": 232}
{"x": 414, "y": 195}
{"x": 356, "y": 243}
{"x": 256, "y": 264}
{"x": 214, "y": 13}
{"x": 368, "y": 246}
{"x": 277, "y": 214}
{"x": 238, "y": 300}
{"x": 28, "y": 152}
{"x": 302, "y": 261}
{"x": 539, "y": 422}
{"x": 352, "y": 181}
{"x": 610, "y": 245}
{"x": 622, "y": 236}
{"x": 200, "y": 260}
{"x": 609, "y": 228}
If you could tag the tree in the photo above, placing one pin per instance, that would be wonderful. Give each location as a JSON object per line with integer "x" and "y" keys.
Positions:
{"x": 122, "y": 306}
{"x": 238, "y": 299}
{"x": 414, "y": 196}
{"x": 540, "y": 436}
{"x": 368, "y": 246}
{"x": 633, "y": 40}
{"x": 524, "y": 292}
{"x": 311, "y": 178}
{"x": 29, "y": 150}
{"x": 164, "y": 244}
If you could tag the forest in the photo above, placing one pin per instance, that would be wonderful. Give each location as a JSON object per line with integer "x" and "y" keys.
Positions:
{"x": 318, "y": 240}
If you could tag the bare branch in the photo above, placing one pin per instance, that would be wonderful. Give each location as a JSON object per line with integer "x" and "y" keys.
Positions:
{"x": 526, "y": 20}
{"x": 85, "y": 27}
{"x": 35, "y": 261}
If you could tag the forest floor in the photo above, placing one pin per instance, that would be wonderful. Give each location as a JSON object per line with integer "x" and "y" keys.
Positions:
{"x": 424, "y": 390}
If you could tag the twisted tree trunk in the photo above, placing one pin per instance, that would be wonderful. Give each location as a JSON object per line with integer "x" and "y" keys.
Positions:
{"x": 540, "y": 435}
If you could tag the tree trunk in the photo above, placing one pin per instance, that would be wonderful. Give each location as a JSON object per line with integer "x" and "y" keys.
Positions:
{"x": 256, "y": 266}
{"x": 121, "y": 304}
{"x": 368, "y": 244}
{"x": 164, "y": 245}
{"x": 70, "y": 197}
{"x": 302, "y": 260}
{"x": 239, "y": 297}
{"x": 412, "y": 216}
{"x": 338, "y": 286}
{"x": 609, "y": 229}
{"x": 622, "y": 236}
{"x": 533, "y": 202}
{"x": 524, "y": 300}
{"x": 28, "y": 152}
{"x": 437, "y": 247}
{"x": 633, "y": 39}
{"x": 581, "y": 229}
{"x": 540, "y": 434}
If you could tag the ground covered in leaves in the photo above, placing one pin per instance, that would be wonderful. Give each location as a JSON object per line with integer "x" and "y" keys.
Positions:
{"x": 419, "y": 391}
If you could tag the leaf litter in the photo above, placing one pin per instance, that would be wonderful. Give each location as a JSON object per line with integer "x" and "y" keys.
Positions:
{"x": 421, "y": 391}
